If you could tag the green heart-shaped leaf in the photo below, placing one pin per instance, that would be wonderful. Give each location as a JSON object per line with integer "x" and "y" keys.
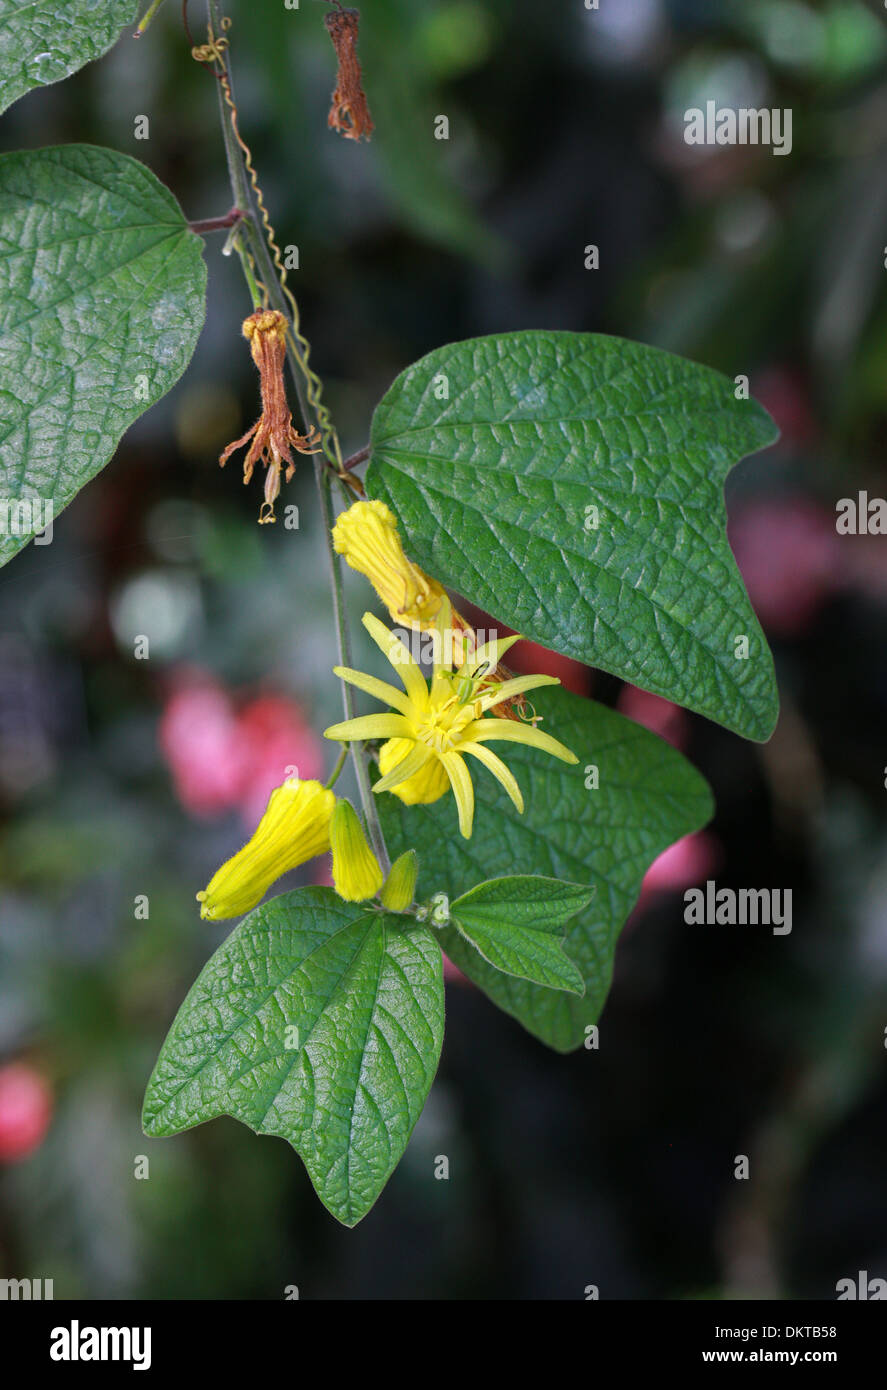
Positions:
{"x": 102, "y": 291}
{"x": 572, "y": 485}
{"x": 42, "y": 41}
{"x": 317, "y": 1020}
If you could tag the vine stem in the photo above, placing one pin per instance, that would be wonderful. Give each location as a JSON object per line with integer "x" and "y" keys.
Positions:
{"x": 248, "y": 230}
{"x": 216, "y": 224}
{"x": 361, "y": 763}
{"x": 354, "y": 459}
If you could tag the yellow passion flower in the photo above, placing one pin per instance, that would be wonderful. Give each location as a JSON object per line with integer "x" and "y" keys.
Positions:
{"x": 432, "y": 727}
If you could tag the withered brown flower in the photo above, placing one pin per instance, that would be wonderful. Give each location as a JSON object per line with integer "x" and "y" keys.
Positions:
{"x": 273, "y": 435}
{"x": 349, "y": 113}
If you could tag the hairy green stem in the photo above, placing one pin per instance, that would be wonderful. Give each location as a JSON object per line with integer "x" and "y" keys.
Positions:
{"x": 249, "y": 238}
{"x": 340, "y": 763}
{"x": 361, "y": 764}
{"x": 147, "y": 17}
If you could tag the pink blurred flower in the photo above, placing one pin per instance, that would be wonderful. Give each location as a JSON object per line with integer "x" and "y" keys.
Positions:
{"x": 453, "y": 974}
{"x": 198, "y": 736}
{"x": 790, "y": 558}
{"x": 323, "y": 871}
{"x": 784, "y": 394}
{"x": 683, "y": 864}
{"x": 530, "y": 658}
{"x": 658, "y": 715}
{"x": 278, "y": 743}
{"x": 25, "y": 1111}
{"x": 866, "y": 559}
{"x": 221, "y": 758}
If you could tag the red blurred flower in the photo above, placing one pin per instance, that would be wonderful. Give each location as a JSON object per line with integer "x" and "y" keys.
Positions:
{"x": 25, "y": 1111}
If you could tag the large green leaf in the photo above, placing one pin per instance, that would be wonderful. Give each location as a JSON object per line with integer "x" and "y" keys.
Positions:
{"x": 572, "y": 485}
{"x": 102, "y": 290}
{"x": 42, "y": 41}
{"x": 366, "y": 996}
{"x": 648, "y": 797}
{"x": 517, "y": 925}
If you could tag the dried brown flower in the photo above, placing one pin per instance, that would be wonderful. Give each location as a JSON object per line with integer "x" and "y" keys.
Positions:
{"x": 273, "y": 435}
{"x": 349, "y": 113}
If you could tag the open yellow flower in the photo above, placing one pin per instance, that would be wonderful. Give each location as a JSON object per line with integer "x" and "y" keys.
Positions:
{"x": 435, "y": 726}
{"x": 294, "y": 828}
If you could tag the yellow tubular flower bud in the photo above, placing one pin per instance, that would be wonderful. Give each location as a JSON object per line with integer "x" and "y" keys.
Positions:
{"x": 356, "y": 872}
{"x": 294, "y": 828}
{"x": 400, "y": 885}
{"x": 366, "y": 536}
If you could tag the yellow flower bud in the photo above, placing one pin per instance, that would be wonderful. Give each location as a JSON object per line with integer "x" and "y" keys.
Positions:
{"x": 400, "y": 885}
{"x": 294, "y": 828}
{"x": 366, "y": 536}
{"x": 356, "y": 871}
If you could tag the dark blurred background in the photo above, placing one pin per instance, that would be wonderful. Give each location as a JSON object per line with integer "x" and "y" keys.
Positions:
{"x": 123, "y": 778}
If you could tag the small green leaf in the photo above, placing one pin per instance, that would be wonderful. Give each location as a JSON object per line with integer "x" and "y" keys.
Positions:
{"x": 317, "y": 1020}
{"x": 42, "y": 41}
{"x": 102, "y": 291}
{"x": 647, "y": 796}
{"x": 517, "y": 925}
{"x": 572, "y": 484}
